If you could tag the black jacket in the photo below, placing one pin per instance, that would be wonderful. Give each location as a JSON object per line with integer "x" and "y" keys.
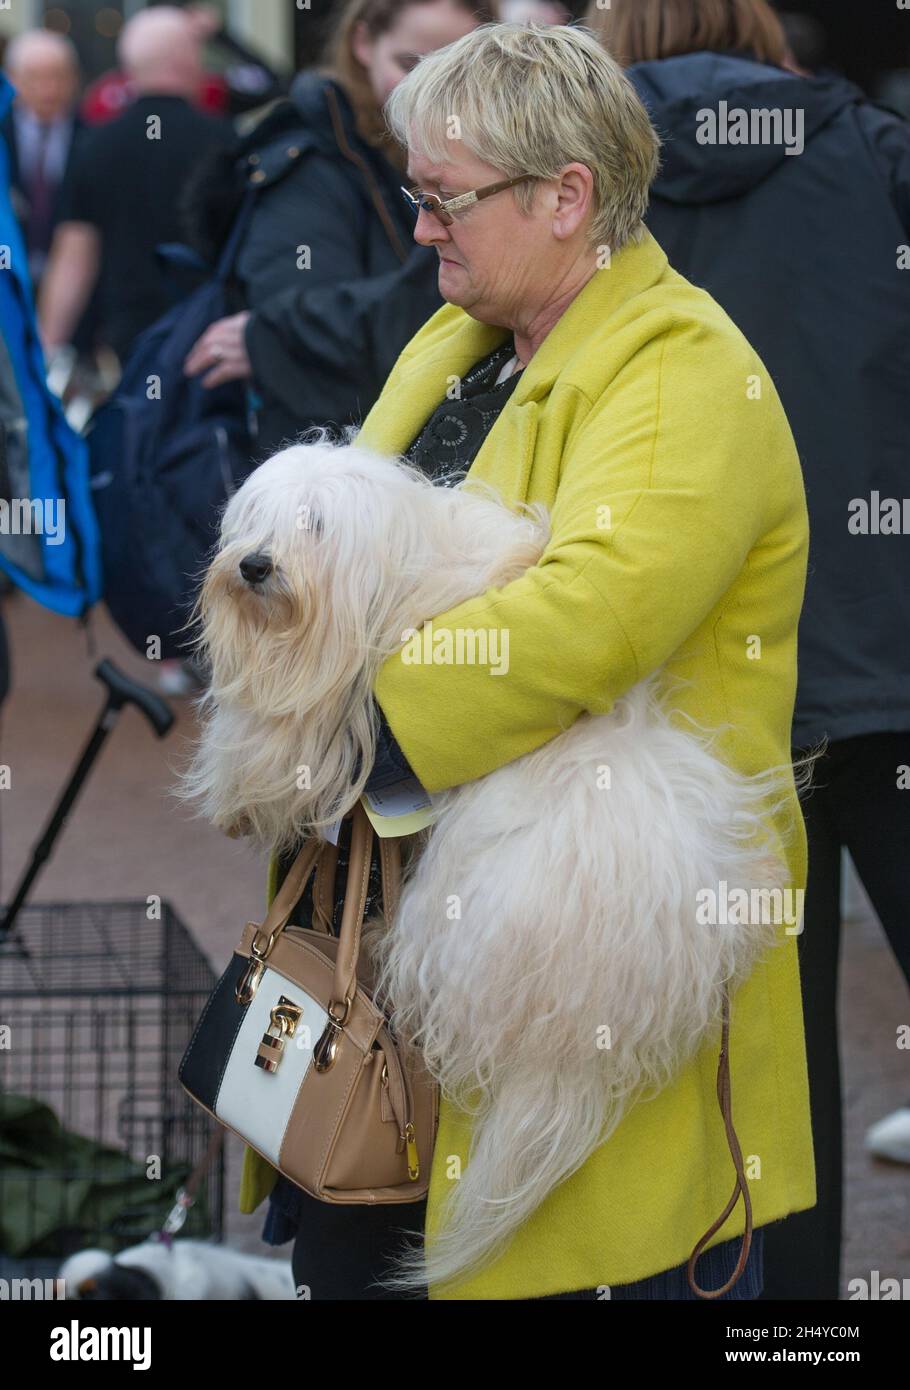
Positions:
{"x": 84, "y": 333}
{"x": 803, "y": 252}
{"x": 18, "y": 191}
{"x": 127, "y": 186}
{"x": 323, "y": 340}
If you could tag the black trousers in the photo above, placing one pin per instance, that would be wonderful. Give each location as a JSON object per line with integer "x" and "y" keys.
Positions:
{"x": 339, "y": 1250}
{"x": 856, "y": 801}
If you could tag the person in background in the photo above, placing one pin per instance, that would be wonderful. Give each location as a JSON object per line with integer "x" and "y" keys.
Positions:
{"x": 533, "y": 12}
{"x": 333, "y": 284}
{"x": 235, "y": 78}
{"x": 120, "y": 201}
{"x": 41, "y": 132}
{"x": 804, "y": 253}
{"x": 41, "y": 458}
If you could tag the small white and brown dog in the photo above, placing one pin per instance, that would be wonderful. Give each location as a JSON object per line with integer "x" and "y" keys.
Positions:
{"x": 577, "y": 901}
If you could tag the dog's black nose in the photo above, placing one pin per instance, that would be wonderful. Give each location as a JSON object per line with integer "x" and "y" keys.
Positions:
{"x": 255, "y": 568}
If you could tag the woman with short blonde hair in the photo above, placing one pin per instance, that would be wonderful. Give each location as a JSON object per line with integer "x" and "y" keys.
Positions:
{"x": 572, "y": 366}
{"x": 571, "y": 102}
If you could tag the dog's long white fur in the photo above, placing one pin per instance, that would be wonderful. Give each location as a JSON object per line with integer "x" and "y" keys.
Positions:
{"x": 573, "y": 977}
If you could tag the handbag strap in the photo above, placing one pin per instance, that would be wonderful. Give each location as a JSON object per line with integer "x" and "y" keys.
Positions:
{"x": 359, "y": 865}
{"x": 325, "y": 856}
{"x": 285, "y": 900}
{"x": 324, "y": 888}
{"x": 324, "y": 882}
{"x": 382, "y": 211}
{"x": 355, "y": 901}
{"x": 390, "y": 865}
{"x": 724, "y": 1100}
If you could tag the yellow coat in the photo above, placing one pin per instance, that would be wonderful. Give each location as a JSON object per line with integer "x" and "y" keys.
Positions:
{"x": 649, "y": 426}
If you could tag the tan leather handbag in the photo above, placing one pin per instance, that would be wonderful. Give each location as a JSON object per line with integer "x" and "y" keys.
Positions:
{"x": 292, "y": 1054}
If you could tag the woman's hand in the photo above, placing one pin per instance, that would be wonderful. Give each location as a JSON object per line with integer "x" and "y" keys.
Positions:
{"x": 221, "y": 352}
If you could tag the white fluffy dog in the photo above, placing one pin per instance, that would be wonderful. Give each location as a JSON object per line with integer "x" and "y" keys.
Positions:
{"x": 577, "y": 978}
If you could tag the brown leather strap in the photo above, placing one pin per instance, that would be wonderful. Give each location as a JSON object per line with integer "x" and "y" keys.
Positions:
{"x": 293, "y": 885}
{"x": 390, "y": 864}
{"x": 325, "y": 856}
{"x": 324, "y": 889}
{"x": 324, "y": 882}
{"x": 375, "y": 194}
{"x": 360, "y": 860}
{"x": 724, "y": 1100}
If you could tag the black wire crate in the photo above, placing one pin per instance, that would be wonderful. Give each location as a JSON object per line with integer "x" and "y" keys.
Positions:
{"x": 97, "y": 1004}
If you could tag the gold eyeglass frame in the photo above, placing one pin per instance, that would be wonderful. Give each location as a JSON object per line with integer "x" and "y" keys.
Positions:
{"x": 431, "y": 202}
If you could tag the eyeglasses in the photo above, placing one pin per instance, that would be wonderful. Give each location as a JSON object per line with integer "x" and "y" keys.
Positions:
{"x": 431, "y": 202}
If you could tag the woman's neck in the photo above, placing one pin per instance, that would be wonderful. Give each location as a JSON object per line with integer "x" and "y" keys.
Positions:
{"x": 529, "y": 335}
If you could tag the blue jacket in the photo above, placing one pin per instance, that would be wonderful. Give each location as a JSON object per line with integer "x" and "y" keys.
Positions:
{"x": 803, "y": 252}
{"x": 43, "y": 463}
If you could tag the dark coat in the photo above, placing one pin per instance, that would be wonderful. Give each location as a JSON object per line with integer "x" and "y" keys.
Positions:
{"x": 17, "y": 187}
{"x": 323, "y": 340}
{"x": 84, "y": 334}
{"x": 803, "y": 253}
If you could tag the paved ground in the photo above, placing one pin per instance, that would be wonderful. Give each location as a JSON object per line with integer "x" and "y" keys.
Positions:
{"x": 128, "y": 838}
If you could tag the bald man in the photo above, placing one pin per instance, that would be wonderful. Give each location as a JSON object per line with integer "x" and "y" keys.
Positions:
{"x": 122, "y": 195}
{"x": 40, "y": 131}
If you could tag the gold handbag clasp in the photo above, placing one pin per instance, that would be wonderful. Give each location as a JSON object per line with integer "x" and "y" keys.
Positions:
{"x": 249, "y": 981}
{"x": 325, "y": 1050}
{"x": 285, "y": 1017}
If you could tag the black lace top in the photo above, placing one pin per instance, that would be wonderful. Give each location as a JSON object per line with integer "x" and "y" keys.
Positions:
{"x": 448, "y": 443}
{"x": 445, "y": 448}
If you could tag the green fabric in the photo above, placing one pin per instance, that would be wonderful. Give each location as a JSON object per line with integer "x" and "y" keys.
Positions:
{"x": 59, "y": 1189}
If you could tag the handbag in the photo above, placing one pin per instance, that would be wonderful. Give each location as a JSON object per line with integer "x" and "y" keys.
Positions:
{"x": 292, "y": 1054}
{"x": 349, "y": 1115}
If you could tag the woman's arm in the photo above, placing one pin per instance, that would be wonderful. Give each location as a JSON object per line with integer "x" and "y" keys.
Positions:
{"x": 321, "y": 341}
{"x": 327, "y": 349}
{"x": 316, "y": 206}
{"x": 665, "y": 487}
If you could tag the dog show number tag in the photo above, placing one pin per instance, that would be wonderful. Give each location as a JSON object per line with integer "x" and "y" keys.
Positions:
{"x": 401, "y": 809}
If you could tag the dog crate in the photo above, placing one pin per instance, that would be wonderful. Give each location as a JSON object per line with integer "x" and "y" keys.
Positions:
{"x": 97, "y": 1004}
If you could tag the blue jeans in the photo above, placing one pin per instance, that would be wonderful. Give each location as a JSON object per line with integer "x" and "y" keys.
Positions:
{"x": 338, "y": 1252}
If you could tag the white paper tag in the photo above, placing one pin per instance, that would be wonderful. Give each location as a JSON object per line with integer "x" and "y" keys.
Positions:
{"x": 400, "y": 809}
{"x": 332, "y": 832}
{"x": 399, "y": 799}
